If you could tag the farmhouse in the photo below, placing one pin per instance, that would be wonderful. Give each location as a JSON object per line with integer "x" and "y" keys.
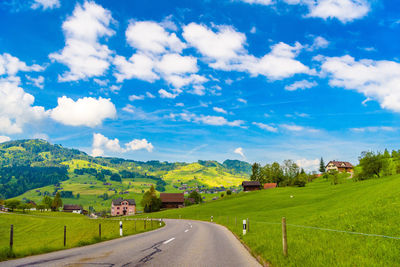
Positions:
{"x": 122, "y": 206}
{"x": 340, "y": 166}
{"x": 251, "y": 185}
{"x": 172, "y": 200}
{"x": 72, "y": 208}
{"x": 270, "y": 185}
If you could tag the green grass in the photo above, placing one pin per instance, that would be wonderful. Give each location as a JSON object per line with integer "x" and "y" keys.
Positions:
{"x": 37, "y": 232}
{"x": 371, "y": 206}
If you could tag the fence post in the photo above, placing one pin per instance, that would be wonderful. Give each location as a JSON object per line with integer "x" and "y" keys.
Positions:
{"x": 120, "y": 228}
{"x": 244, "y": 227}
{"x": 65, "y": 235}
{"x": 284, "y": 237}
{"x": 11, "y": 236}
{"x": 100, "y": 231}
{"x": 212, "y": 217}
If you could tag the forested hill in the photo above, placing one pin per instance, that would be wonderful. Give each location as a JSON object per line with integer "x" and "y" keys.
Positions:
{"x": 33, "y": 163}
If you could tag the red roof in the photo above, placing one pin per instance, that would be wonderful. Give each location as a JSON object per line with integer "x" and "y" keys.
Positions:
{"x": 269, "y": 185}
{"x": 341, "y": 164}
{"x": 172, "y": 197}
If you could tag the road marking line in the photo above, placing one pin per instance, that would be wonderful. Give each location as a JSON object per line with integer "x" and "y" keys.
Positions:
{"x": 186, "y": 230}
{"x": 169, "y": 240}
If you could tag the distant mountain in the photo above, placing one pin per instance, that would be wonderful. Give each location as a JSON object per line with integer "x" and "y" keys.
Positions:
{"x": 35, "y": 163}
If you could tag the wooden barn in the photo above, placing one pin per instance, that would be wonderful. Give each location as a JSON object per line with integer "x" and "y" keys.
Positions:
{"x": 270, "y": 185}
{"x": 251, "y": 185}
{"x": 172, "y": 200}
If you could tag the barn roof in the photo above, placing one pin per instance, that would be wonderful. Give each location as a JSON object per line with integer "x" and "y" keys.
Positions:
{"x": 251, "y": 183}
{"x": 172, "y": 197}
{"x": 341, "y": 164}
{"x": 72, "y": 207}
{"x": 118, "y": 201}
{"x": 269, "y": 185}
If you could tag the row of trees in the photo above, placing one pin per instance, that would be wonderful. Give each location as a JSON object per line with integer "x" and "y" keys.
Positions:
{"x": 286, "y": 174}
{"x": 47, "y": 203}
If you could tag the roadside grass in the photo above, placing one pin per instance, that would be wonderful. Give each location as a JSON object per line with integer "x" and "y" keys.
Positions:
{"x": 41, "y": 232}
{"x": 371, "y": 207}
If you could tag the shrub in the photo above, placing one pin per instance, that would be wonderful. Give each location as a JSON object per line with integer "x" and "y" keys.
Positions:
{"x": 228, "y": 192}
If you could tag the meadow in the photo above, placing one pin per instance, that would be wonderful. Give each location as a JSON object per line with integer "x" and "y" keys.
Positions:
{"x": 41, "y": 232}
{"x": 370, "y": 207}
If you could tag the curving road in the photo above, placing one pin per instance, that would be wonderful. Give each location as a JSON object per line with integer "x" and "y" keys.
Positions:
{"x": 179, "y": 243}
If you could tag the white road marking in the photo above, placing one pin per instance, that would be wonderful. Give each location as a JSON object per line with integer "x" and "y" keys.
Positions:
{"x": 169, "y": 240}
{"x": 186, "y": 230}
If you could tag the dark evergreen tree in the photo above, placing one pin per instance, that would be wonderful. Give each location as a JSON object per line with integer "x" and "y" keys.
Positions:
{"x": 322, "y": 166}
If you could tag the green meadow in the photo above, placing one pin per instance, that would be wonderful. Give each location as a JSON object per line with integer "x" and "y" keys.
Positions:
{"x": 41, "y": 232}
{"x": 371, "y": 207}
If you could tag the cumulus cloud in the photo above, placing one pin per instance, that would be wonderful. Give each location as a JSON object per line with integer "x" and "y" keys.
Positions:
{"x": 298, "y": 128}
{"x": 319, "y": 42}
{"x": 45, "y": 4}
{"x": 229, "y": 53}
{"x": 239, "y": 151}
{"x": 220, "y": 110}
{"x": 138, "y": 66}
{"x": 260, "y": 2}
{"x": 206, "y": 119}
{"x": 266, "y": 127}
{"x": 17, "y": 107}
{"x": 177, "y": 64}
{"x": 164, "y": 94}
{"x": 374, "y": 129}
{"x": 83, "y": 54}
{"x": 102, "y": 143}
{"x": 136, "y": 97}
{"x": 38, "y": 82}
{"x": 10, "y": 65}
{"x": 378, "y": 80}
{"x": 308, "y": 164}
{"x": 303, "y": 84}
{"x": 4, "y": 138}
{"x": 85, "y": 111}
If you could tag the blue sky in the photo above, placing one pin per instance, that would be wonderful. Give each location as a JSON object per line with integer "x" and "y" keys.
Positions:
{"x": 256, "y": 80}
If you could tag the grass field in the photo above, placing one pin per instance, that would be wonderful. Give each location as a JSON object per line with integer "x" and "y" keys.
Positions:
{"x": 40, "y": 232}
{"x": 371, "y": 206}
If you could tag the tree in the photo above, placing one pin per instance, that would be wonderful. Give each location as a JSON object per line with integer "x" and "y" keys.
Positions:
{"x": 41, "y": 207}
{"x": 228, "y": 192}
{"x": 47, "y": 201}
{"x": 57, "y": 202}
{"x": 115, "y": 177}
{"x": 256, "y": 174}
{"x": 371, "y": 164}
{"x": 12, "y": 204}
{"x": 322, "y": 166}
{"x": 196, "y": 196}
{"x": 150, "y": 201}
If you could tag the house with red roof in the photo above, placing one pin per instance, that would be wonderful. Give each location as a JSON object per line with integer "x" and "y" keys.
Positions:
{"x": 340, "y": 166}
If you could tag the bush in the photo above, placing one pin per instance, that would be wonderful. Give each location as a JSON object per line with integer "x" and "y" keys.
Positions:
{"x": 222, "y": 194}
{"x": 228, "y": 192}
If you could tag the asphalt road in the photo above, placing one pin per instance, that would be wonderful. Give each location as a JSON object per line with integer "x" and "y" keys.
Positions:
{"x": 179, "y": 243}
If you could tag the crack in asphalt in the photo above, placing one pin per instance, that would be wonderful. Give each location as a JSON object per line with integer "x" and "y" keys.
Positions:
{"x": 149, "y": 257}
{"x": 44, "y": 261}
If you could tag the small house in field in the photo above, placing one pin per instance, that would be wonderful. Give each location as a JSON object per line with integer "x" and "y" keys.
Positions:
{"x": 340, "y": 166}
{"x": 251, "y": 185}
{"x": 172, "y": 200}
{"x": 270, "y": 185}
{"x": 72, "y": 208}
{"x": 122, "y": 206}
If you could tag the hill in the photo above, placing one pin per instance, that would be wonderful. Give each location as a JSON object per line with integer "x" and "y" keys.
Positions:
{"x": 32, "y": 168}
{"x": 369, "y": 207}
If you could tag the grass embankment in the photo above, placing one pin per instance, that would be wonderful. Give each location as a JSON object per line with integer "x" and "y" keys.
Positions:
{"x": 371, "y": 206}
{"x": 37, "y": 232}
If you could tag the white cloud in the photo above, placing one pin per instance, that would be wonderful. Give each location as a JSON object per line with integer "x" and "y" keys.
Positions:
{"x": 378, "y": 80}
{"x": 266, "y": 127}
{"x": 151, "y": 37}
{"x": 244, "y": 101}
{"x": 164, "y": 94}
{"x": 319, "y": 42}
{"x": 308, "y": 164}
{"x": 38, "y": 82}
{"x": 220, "y": 110}
{"x": 85, "y": 111}
{"x": 16, "y": 107}
{"x": 136, "y": 97}
{"x": 229, "y": 53}
{"x": 179, "y": 105}
{"x": 260, "y": 2}
{"x": 10, "y": 65}
{"x": 374, "y": 129}
{"x": 45, "y": 4}
{"x": 206, "y": 119}
{"x": 4, "y": 138}
{"x": 298, "y": 128}
{"x": 177, "y": 64}
{"x": 129, "y": 108}
{"x": 101, "y": 143}
{"x": 139, "y": 66}
{"x": 83, "y": 54}
{"x": 239, "y": 151}
{"x": 253, "y": 30}
{"x": 150, "y": 95}
{"x": 303, "y": 84}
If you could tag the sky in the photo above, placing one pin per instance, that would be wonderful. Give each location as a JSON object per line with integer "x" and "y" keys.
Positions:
{"x": 254, "y": 80}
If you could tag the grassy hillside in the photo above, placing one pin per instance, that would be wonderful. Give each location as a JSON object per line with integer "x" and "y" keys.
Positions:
{"x": 370, "y": 206}
{"x": 28, "y": 168}
{"x": 36, "y": 233}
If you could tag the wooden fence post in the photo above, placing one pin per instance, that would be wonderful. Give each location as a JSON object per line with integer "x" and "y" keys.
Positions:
{"x": 65, "y": 235}
{"x": 100, "y": 231}
{"x": 11, "y": 236}
{"x": 284, "y": 237}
